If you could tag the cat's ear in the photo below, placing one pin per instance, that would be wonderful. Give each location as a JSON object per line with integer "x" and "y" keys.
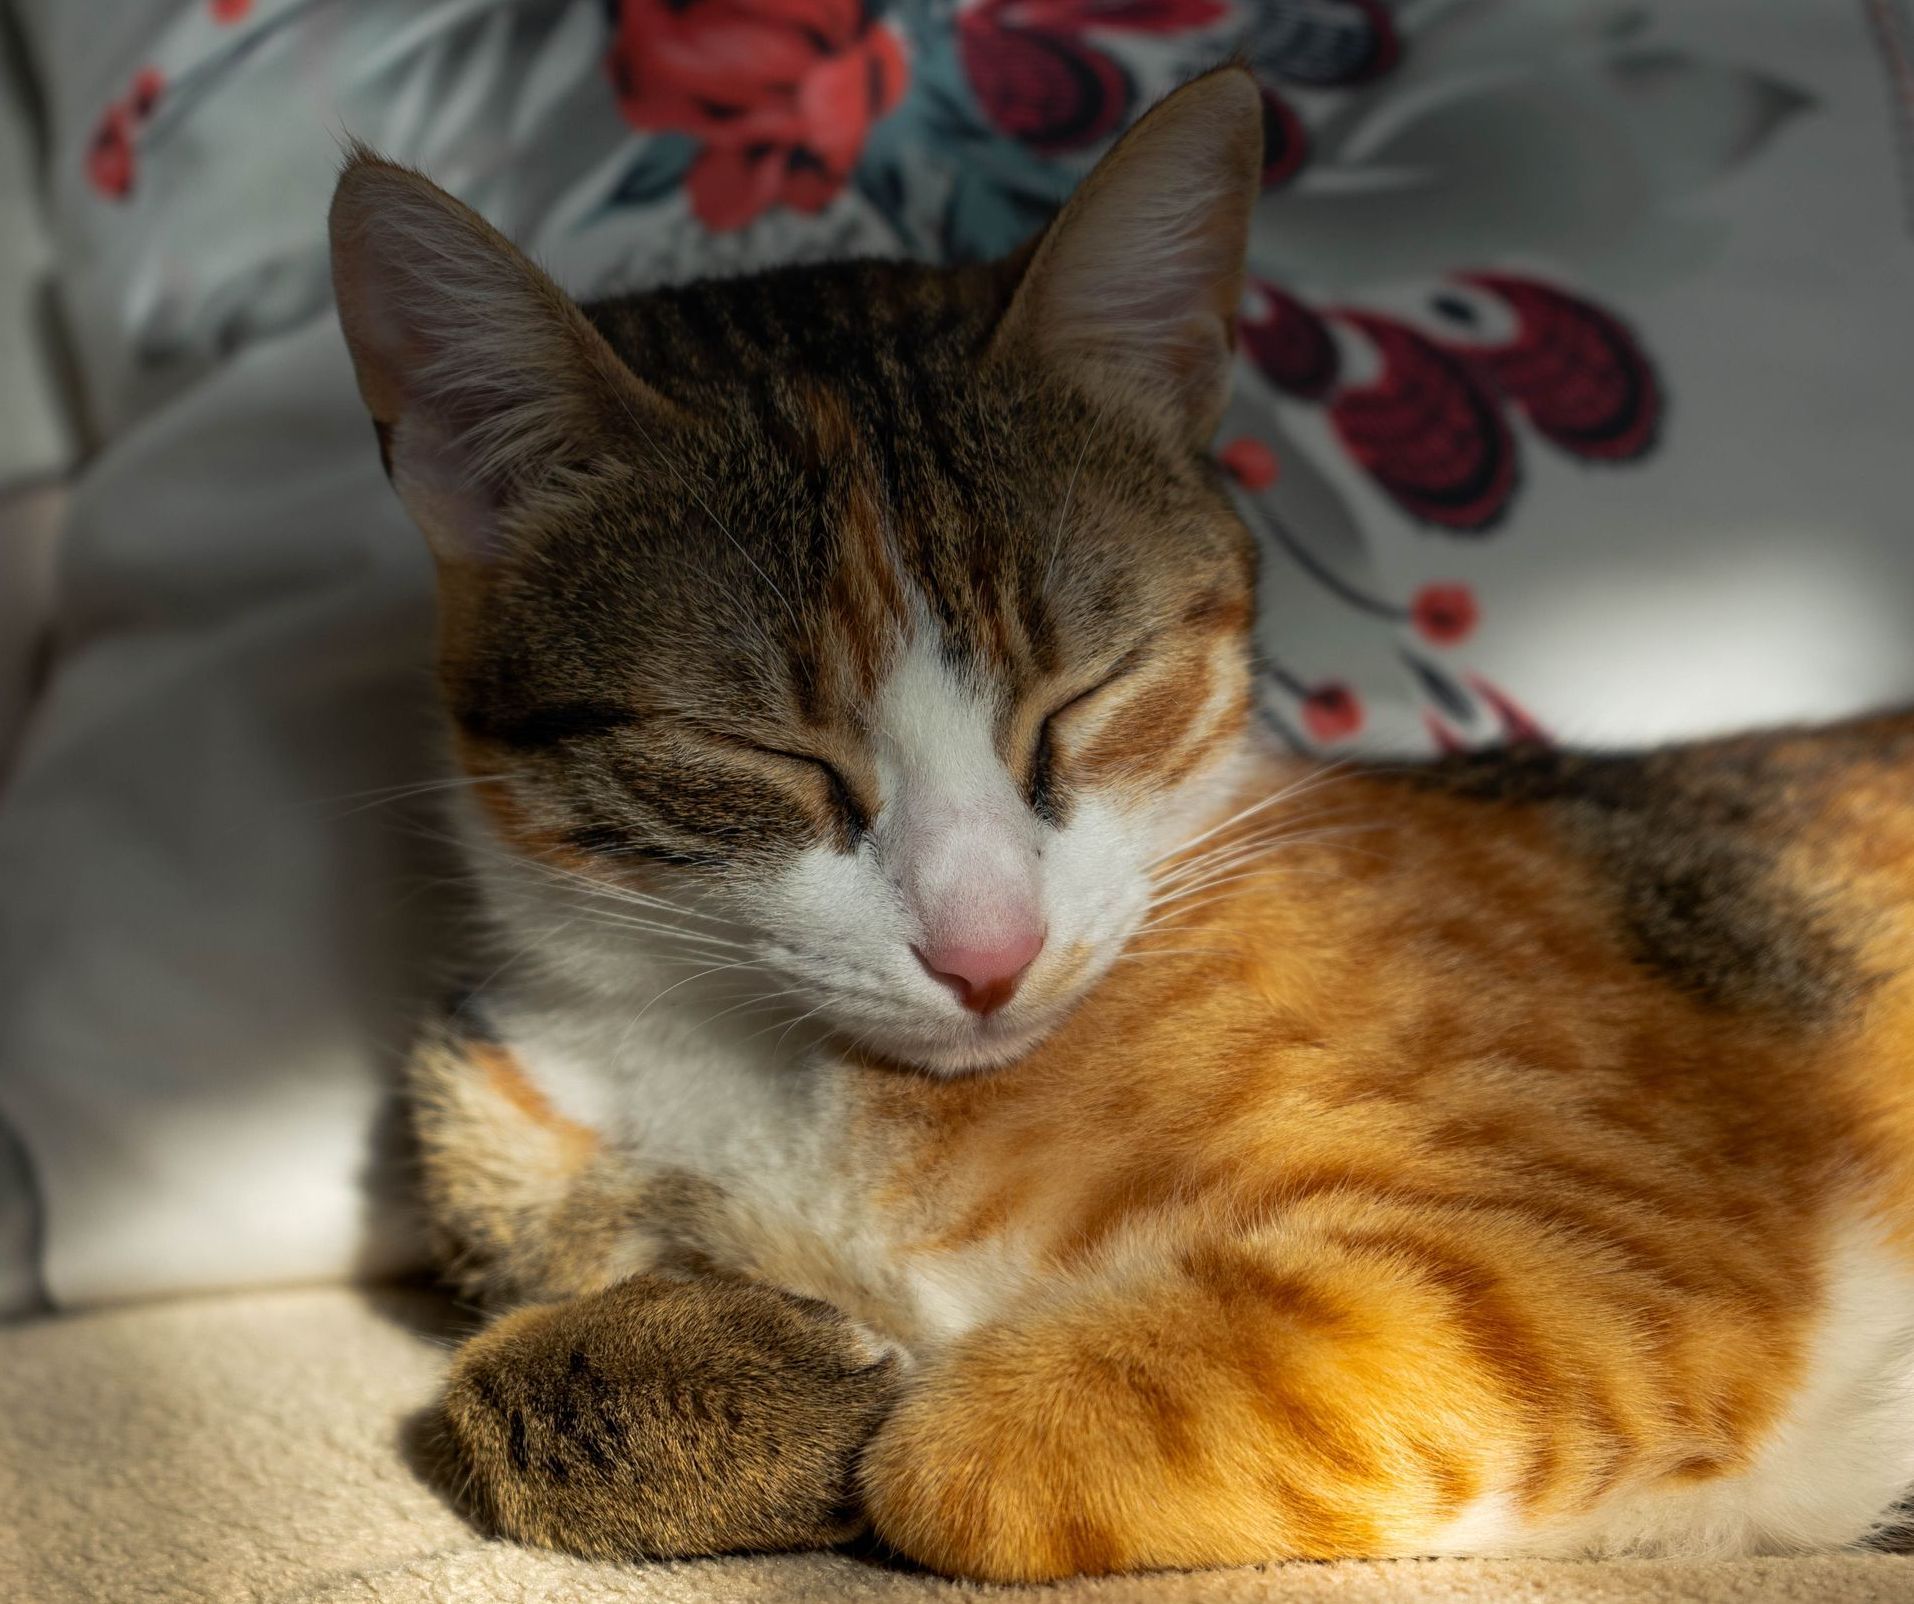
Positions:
{"x": 481, "y": 375}
{"x": 1134, "y": 284}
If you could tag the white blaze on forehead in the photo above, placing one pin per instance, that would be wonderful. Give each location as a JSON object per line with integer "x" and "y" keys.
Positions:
{"x": 960, "y": 837}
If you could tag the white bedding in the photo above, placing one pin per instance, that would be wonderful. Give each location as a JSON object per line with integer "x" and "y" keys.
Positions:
{"x": 253, "y": 1450}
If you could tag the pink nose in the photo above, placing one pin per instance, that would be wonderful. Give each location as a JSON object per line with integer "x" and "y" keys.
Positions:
{"x": 985, "y": 977}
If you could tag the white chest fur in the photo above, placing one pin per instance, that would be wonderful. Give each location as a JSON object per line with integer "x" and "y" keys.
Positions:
{"x": 766, "y": 1120}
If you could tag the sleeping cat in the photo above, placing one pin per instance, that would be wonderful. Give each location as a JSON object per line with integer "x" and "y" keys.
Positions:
{"x": 939, "y": 1069}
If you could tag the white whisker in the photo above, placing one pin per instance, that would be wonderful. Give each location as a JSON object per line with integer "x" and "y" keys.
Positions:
{"x": 1315, "y": 780}
{"x": 1063, "y": 517}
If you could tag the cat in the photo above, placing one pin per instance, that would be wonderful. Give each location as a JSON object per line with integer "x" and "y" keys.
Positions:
{"x": 940, "y": 1070}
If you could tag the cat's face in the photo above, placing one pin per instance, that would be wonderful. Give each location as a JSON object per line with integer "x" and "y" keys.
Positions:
{"x": 910, "y": 663}
{"x": 882, "y": 623}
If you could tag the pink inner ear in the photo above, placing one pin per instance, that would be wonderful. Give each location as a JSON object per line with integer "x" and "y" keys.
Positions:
{"x": 1139, "y": 276}
{"x": 375, "y": 232}
{"x": 370, "y": 300}
{"x": 459, "y": 516}
{"x": 464, "y": 353}
{"x": 1145, "y": 295}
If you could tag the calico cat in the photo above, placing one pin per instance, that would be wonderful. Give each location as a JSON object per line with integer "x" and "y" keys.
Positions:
{"x": 940, "y": 1069}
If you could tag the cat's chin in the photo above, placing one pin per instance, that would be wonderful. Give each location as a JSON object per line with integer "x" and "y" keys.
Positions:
{"x": 987, "y": 1048}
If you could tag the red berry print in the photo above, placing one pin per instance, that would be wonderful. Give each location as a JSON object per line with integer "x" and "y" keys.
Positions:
{"x": 1444, "y": 615}
{"x": 1250, "y": 463}
{"x": 149, "y": 83}
{"x": 1332, "y": 712}
{"x": 109, "y": 158}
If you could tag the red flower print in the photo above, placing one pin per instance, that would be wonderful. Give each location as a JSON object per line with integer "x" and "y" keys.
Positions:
{"x": 1578, "y": 374}
{"x": 1049, "y": 92}
{"x": 148, "y": 85}
{"x": 1427, "y": 429}
{"x": 780, "y": 93}
{"x": 1039, "y": 81}
{"x": 1285, "y": 141}
{"x": 109, "y": 158}
{"x": 229, "y": 10}
{"x": 1444, "y": 614}
{"x": 1250, "y": 463}
{"x": 1290, "y": 345}
{"x": 1332, "y": 712}
{"x": 1432, "y": 418}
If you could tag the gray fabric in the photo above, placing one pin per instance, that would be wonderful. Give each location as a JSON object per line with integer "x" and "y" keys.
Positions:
{"x": 22, "y": 1226}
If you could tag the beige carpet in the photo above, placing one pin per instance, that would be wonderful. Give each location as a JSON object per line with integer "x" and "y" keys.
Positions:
{"x": 253, "y": 1448}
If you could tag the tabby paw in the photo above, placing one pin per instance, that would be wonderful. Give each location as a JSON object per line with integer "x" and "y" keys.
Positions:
{"x": 666, "y": 1419}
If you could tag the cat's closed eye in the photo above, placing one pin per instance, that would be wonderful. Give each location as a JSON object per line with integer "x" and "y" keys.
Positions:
{"x": 1040, "y": 788}
{"x": 851, "y": 808}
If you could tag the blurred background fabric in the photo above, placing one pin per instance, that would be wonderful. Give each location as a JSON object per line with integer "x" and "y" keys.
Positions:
{"x": 1573, "y": 403}
{"x": 37, "y": 434}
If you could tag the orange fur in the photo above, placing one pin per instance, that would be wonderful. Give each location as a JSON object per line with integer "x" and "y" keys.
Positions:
{"x": 1386, "y": 1176}
{"x": 506, "y": 1076}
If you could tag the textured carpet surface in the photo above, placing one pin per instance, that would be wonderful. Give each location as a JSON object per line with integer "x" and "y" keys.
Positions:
{"x": 254, "y": 1448}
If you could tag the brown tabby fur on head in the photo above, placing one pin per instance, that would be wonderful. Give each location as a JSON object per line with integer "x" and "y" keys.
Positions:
{"x": 750, "y": 581}
{"x": 726, "y": 542}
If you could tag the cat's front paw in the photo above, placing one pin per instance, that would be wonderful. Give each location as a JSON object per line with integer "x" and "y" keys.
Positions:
{"x": 667, "y": 1418}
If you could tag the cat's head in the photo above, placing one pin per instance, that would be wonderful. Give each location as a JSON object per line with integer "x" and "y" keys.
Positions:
{"x": 895, "y": 616}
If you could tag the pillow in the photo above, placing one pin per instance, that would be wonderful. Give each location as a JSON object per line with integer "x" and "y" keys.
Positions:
{"x": 1571, "y": 403}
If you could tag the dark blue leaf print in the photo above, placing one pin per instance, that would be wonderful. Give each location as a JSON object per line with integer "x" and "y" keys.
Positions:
{"x": 987, "y": 217}
{"x": 1441, "y": 690}
{"x": 882, "y": 184}
{"x": 1324, "y": 43}
{"x": 663, "y": 160}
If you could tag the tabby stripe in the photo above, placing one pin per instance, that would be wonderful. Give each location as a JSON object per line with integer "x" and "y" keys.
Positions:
{"x": 1501, "y": 1339}
{"x": 547, "y": 725}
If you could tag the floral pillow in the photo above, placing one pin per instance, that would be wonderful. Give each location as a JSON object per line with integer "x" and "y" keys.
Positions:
{"x": 1571, "y": 402}
{"x": 1481, "y": 224}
